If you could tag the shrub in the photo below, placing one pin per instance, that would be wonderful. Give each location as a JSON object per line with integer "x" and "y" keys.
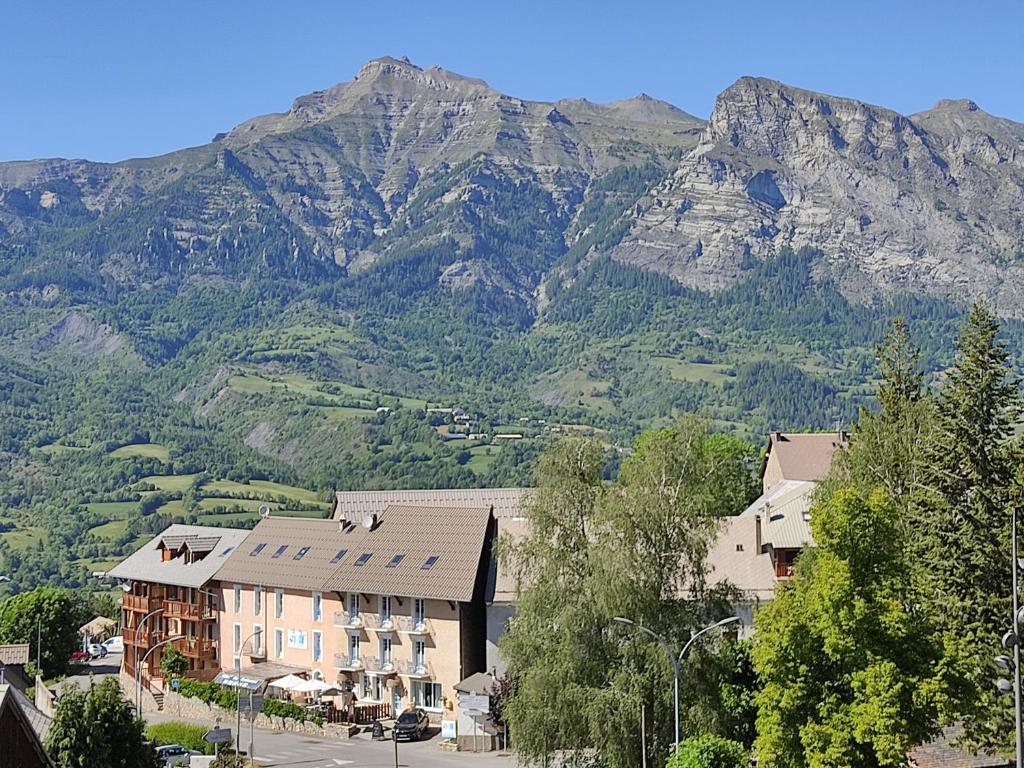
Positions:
{"x": 188, "y": 736}
{"x": 709, "y": 752}
{"x": 283, "y": 709}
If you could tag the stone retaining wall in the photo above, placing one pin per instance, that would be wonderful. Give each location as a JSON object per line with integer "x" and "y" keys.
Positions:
{"x": 188, "y": 708}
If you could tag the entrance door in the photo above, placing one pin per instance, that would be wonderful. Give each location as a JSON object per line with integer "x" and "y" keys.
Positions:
{"x": 396, "y": 701}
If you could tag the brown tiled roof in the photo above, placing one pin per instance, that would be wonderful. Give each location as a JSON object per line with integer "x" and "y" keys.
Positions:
{"x": 505, "y": 502}
{"x": 454, "y": 535}
{"x": 804, "y": 456}
{"x": 16, "y": 653}
{"x": 940, "y": 753}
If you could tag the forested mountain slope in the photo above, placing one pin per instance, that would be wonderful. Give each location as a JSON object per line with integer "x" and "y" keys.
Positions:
{"x": 281, "y": 305}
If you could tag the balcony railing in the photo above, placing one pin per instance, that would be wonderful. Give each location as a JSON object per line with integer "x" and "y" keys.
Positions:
{"x": 348, "y": 620}
{"x": 380, "y": 666}
{"x": 375, "y": 623}
{"x": 784, "y": 570}
{"x": 140, "y": 603}
{"x": 140, "y": 638}
{"x": 414, "y": 625}
{"x": 197, "y": 648}
{"x": 347, "y": 663}
{"x": 415, "y": 668}
{"x": 191, "y": 611}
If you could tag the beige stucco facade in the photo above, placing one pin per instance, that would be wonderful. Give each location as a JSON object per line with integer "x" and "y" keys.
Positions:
{"x": 401, "y": 663}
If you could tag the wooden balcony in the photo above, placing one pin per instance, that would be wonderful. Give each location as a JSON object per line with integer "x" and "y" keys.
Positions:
{"x": 196, "y": 648}
{"x": 784, "y": 570}
{"x": 179, "y": 609}
{"x": 143, "y": 638}
{"x": 139, "y": 603}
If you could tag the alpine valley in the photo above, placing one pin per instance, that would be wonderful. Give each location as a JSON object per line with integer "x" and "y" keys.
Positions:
{"x": 411, "y": 279}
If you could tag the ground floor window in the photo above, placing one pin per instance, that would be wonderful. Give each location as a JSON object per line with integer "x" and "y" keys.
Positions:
{"x": 374, "y": 688}
{"x": 426, "y": 695}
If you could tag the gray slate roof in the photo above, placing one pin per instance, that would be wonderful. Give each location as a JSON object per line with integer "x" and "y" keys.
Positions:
{"x": 38, "y": 723}
{"x": 454, "y": 535}
{"x": 147, "y": 564}
{"x": 505, "y": 502}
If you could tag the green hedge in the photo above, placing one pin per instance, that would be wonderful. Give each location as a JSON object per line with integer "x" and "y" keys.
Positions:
{"x": 188, "y": 736}
{"x": 212, "y": 693}
{"x": 709, "y": 751}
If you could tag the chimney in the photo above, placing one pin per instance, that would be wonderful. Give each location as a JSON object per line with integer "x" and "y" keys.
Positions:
{"x": 757, "y": 534}
{"x": 777, "y": 435}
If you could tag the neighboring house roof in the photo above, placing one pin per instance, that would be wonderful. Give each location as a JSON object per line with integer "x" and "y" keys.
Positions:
{"x": 35, "y": 725}
{"x": 97, "y": 626}
{"x": 736, "y": 558}
{"x": 940, "y": 753}
{"x": 147, "y": 564}
{"x": 480, "y": 683}
{"x": 505, "y": 502}
{"x": 803, "y": 456}
{"x": 785, "y": 511}
{"x": 16, "y": 653}
{"x": 440, "y": 549}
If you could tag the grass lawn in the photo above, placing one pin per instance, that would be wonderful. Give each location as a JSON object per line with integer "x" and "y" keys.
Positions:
{"x": 342, "y": 412}
{"x": 253, "y": 505}
{"x": 173, "y": 507}
{"x": 56, "y": 449}
{"x": 116, "y": 510}
{"x": 170, "y": 482}
{"x": 141, "y": 450}
{"x": 301, "y": 494}
{"x": 683, "y": 370}
{"x": 303, "y": 386}
{"x": 22, "y": 538}
{"x": 110, "y": 530}
{"x": 481, "y": 460}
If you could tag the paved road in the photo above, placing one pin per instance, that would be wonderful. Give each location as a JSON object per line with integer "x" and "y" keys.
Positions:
{"x": 291, "y": 750}
{"x": 97, "y": 669}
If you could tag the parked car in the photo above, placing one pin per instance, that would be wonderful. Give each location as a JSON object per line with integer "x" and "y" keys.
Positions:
{"x": 80, "y": 656}
{"x": 411, "y": 724}
{"x": 114, "y": 644}
{"x": 173, "y": 754}
{"x": 96, "y": 651}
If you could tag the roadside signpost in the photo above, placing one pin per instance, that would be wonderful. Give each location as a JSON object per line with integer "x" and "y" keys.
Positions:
{"x": 217, "y": 736}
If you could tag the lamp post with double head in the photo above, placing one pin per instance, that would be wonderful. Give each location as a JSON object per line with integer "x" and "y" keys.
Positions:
{"x": 138, "y": 678}
{"x": 1011, "y": 641}
{"x": 238, "y": 694}
{"x": 676, "y": 661}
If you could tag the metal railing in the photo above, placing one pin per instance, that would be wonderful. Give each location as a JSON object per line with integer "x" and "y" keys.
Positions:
{"x": 375, "y": 623}
{"x": 415, "y": 668}
{"x": 345, "y": 661}
{"x": 415, "y": 625}
{"x": 380, "y": 665}
{"x": 348, "y": 620}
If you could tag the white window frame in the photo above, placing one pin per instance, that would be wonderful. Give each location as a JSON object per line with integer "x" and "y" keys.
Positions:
{"x": 419, "y": 610}
{"x": 257, "y": 640}
{"x": 419, "y": 653}
{"x": 389, "y": 656}
{"x": 257, "y": 600}
{"x": 317, "y": 646}
{"x": 236, "y": 638}
{"x": 353, "y": 605}
{"x": 354, "y": 647}
{"x": 317, "y": 607}
{"x": 238, "y": 598}
{"x": 278, "y": 643}
{"x": 385, "y": 607}
{"x": 418, "y": 698}
{"x": 278, "y": 603}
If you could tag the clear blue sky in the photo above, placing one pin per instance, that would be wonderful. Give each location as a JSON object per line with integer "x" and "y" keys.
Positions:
{"x": 109, "y": 80}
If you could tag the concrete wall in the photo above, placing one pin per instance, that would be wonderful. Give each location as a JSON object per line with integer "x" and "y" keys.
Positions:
{"x": 498, "y": 616}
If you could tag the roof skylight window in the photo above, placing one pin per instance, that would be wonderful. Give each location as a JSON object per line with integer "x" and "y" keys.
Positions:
{"x": 395, "y": 561}
{"x": 279, "y": 552}
{"x": 341, "y": 554}
{"x": 301, "y": 553}
{"x": 364, "y": 558}
{"x": 257, "y": 549}
{"x": 429, "y": 563}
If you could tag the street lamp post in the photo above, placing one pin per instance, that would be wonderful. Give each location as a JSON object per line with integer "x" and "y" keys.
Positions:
{"x": 676, "y": 661}
{"x": 238, "y": 696}
{"x": 138, "y": 628}
{"x": 138, "y": 678}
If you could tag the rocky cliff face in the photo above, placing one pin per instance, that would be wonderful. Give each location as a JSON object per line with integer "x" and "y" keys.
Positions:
{"x": 931, "y": 203}
{"x": 402, "y": 158}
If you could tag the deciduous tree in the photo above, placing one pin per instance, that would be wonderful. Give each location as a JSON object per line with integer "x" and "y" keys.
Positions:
{"x": 47, "y": 612}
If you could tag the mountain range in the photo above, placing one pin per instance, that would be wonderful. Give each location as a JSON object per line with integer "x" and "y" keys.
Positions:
{"x": 285, "y": 301}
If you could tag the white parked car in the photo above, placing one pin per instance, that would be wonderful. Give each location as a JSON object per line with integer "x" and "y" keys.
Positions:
{"x": 114, "y": 644}
{"x": 96, "y": 650}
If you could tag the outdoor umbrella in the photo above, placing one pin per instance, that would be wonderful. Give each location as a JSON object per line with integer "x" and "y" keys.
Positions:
{"x": 288, "y": 683}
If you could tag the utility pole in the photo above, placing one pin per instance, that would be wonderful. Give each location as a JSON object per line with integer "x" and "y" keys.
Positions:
{"x": 1012, "y": 640}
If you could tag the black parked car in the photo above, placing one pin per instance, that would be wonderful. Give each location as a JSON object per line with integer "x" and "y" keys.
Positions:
{"x": 411, "y": 725}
